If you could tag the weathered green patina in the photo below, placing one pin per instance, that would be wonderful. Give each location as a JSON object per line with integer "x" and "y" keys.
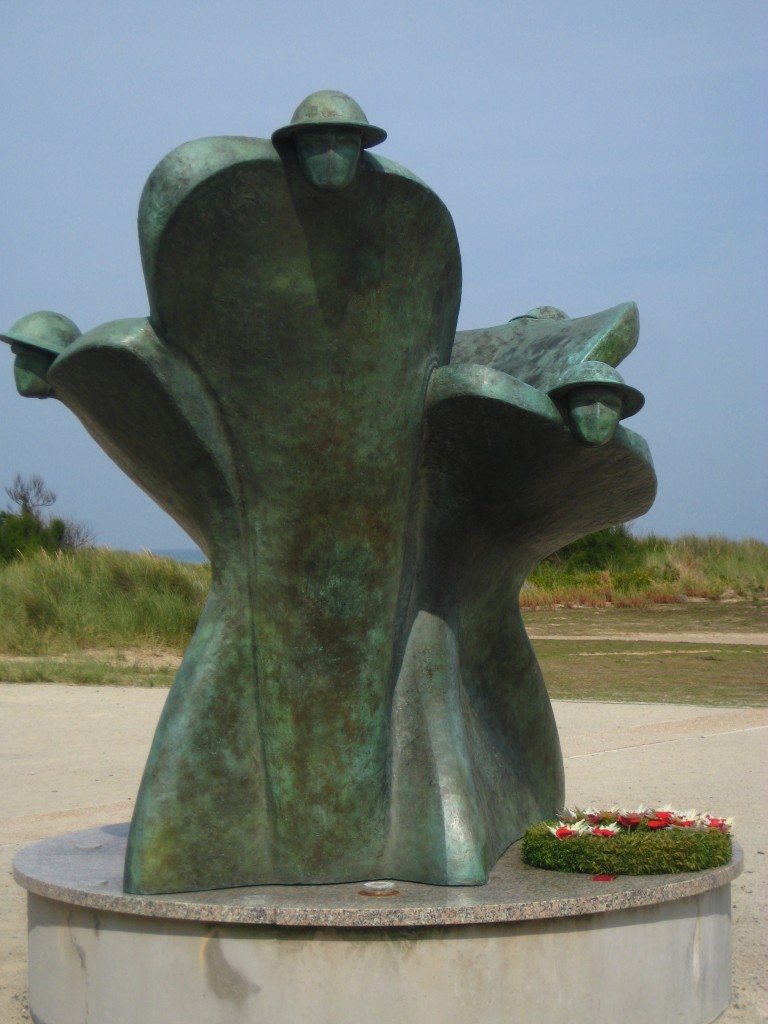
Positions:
{"x": 360, "y": 699}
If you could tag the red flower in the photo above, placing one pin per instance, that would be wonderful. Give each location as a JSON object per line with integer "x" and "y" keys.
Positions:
{"x": 564, "y": 833}
{"x": 658, "y": 823}
{"x": 603, "y": 832}
{"x": 629, "y": 820}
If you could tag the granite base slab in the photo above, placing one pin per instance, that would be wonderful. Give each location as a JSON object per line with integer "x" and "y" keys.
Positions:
{"x": 531, "y": 945}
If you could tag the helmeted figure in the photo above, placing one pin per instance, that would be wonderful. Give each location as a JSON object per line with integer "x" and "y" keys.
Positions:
{"x": 329, "y": 131}
{"x": 359, "y": 699}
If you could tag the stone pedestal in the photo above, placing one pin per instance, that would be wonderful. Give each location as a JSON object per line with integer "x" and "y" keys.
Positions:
{"x": 528, "y": 947}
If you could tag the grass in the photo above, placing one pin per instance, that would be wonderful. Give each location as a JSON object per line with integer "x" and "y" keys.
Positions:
{"x": 728, "y": 616}
{"x": 86, "y": 670}
{"x": 627, "y": 571}
{"x": 661, "y": 670}
{"x": 95, "y": 598}
{"x": 655, "y": 673}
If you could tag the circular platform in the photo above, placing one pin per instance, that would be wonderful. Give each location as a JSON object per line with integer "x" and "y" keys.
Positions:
{"x": 530, "y": 945}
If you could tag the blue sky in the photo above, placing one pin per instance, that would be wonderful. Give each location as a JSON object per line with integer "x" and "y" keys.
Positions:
{"x": 589, "y": 153}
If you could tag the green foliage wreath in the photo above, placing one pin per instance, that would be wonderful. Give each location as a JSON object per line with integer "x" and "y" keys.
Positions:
{"x": 615, "y": 842}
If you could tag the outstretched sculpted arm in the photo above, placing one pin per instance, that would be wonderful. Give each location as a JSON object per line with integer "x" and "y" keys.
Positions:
{"x": 152, "y": 415}
{"x": 571, "y": 360}
{"x": 517, "y": 470}
{"x": 540, "y": 346}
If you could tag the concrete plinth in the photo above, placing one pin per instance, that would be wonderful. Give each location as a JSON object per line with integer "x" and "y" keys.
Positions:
{"x": 529, "y": 946}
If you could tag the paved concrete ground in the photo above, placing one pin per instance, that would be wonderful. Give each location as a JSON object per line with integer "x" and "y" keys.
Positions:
{"x": 71, "y": 758}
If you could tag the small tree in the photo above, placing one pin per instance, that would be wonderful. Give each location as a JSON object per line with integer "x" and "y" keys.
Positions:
{"x": 30, "y": 495}
{"x": 27, "y": 529}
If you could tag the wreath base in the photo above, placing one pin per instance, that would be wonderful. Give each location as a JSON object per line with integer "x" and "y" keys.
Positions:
{"x": 640, "y": 852}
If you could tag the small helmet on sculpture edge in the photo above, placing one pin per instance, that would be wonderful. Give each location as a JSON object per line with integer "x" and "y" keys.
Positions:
{"x": 600, "y": 374}
{"x": 330, "y": 108}
{"x": 44, "y": 330}
{"x": 542, "y": 313}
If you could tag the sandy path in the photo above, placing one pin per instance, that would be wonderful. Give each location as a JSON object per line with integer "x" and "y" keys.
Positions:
{"x": 724, "y": 639}
{"x": 72, "y": 757}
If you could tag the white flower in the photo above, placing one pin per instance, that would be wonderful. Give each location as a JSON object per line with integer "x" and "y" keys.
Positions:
{"x": 600, "y": 830}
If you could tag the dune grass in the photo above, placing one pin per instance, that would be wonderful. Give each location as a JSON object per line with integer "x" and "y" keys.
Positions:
{"x": 96, "y": 598}
{"x": 638, "y": 572}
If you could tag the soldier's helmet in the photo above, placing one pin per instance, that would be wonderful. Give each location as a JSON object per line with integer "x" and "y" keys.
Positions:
{"x": 593, "y": 373}
{"x": 329, "y": 108}
{"x": 44, "y": 330}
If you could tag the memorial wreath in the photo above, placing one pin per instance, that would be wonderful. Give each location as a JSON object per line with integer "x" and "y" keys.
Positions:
{"x": 646, "y": 841}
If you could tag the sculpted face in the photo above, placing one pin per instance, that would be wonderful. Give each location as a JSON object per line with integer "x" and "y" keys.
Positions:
{"x": 29, "y": 370}
{"x": 327, "y": 157}
{"x": 594, "y": 413}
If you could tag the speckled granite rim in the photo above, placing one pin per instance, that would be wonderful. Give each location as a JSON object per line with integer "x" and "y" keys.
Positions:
{"x": 86, "y": 869}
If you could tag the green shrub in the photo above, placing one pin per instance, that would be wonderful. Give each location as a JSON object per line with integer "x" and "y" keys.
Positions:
{"x": 28, "y": 529}
{"x": 612, "y": 546}
{"x": 22, "y": 534}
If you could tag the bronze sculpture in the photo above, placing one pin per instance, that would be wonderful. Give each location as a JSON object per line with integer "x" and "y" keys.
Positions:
{"x": 360, "y": 699}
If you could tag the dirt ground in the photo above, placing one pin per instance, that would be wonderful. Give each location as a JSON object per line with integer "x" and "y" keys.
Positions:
{"x": 72, "y": 758}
